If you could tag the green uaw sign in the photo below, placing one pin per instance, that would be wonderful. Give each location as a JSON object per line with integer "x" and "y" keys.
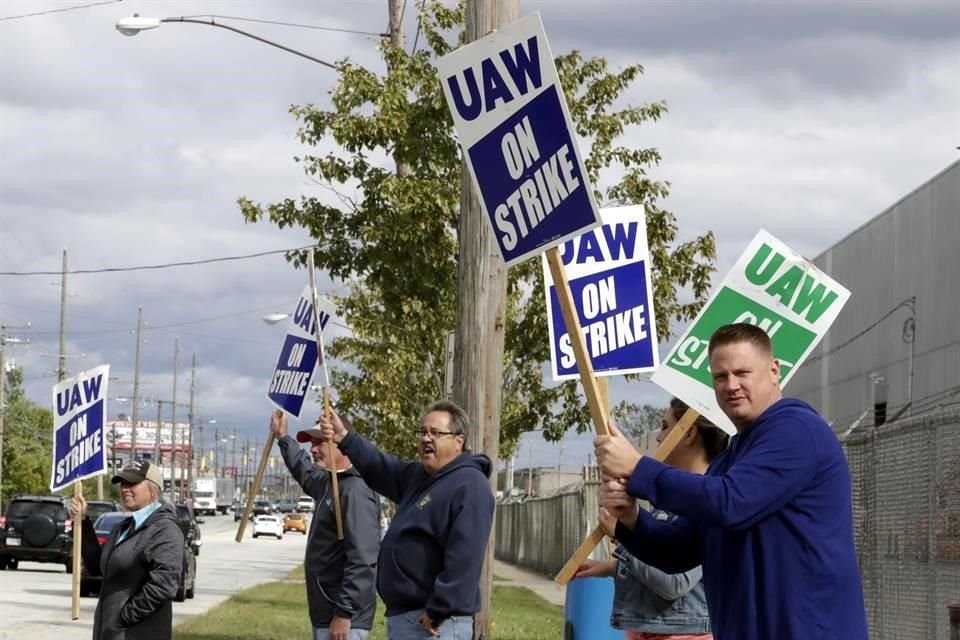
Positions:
{"x": 770, "y": 286}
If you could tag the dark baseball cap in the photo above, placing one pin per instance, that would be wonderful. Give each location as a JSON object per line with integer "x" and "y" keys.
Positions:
{"x": 136, "y": 472}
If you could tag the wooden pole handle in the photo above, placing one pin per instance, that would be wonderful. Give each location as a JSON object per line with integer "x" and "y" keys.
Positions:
{"x": 77, "y": 557}
{"x": 331, "y": 456}
{"x": 255, "y": 488}
{"x": 596, "y": 536}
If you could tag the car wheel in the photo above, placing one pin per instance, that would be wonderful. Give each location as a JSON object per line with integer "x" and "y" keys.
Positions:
{"x": 255, "y": 535}
{"x": 181, "y": 591}
{"x": 12, "y": 564}
{"x": 191, "y": 591}
{"x": 69, "y": 564}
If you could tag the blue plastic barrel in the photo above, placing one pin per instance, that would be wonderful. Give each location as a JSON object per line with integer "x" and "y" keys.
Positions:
{"x": 587, "y": 610}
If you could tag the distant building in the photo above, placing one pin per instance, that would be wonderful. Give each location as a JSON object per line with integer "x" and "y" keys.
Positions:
{"x": 543, "y": 480}
{"x": 897, "y": 341}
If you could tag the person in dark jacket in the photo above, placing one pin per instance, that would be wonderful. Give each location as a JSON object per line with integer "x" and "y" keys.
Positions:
{"x": 771, "y": 521}
{"x": 140, "y": 562}
{"x": 432, "y": 555}
{"x": 340, "y": 574}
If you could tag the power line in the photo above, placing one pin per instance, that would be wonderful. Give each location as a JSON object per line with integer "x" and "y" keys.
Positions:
{"x": 292, "y": 24}
{"x": 908, "y": 303}
{"x": 49, "y": 11}
{"x": 419, "y": 25}
{"x": 156, "y": 266}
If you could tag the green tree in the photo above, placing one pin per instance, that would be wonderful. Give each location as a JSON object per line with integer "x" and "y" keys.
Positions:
{"x": 635, "y": 421}
{"x": 393, "y": 237}
{"x": 26, "y": 442}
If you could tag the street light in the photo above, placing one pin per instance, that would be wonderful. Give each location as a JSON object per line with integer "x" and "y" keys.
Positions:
{"x": 274, "y": 318}
{"x": 135, "y": 24}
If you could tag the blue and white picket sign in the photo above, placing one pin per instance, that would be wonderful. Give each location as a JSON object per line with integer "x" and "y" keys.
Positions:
{"x": 509, "y": 111}
{"x": 291, "y": 377}
{"x": 609, "y": 274}
{"x": 79, "y": 417}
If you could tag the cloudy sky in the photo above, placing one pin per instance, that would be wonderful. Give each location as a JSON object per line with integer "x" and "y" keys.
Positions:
{"x": 806, "y": 117}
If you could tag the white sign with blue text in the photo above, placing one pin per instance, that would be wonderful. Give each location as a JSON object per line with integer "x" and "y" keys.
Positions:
{"x": 79, "y": 416}
{"x": 519, "y": 142}
{"x": 298, "y": 357}
{"x": 609, "y": 274}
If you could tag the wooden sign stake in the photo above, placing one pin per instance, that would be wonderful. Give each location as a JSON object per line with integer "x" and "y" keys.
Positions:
{"x": 596, "y": 536}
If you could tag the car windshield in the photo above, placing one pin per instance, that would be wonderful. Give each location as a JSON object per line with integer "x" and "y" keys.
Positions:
{"x": 96, "y": 509}
{"x": 24, "y": 508}
{"x": 295, "y": 516}
{"x": 108, "y": 521}
{"x": 203, "y": 494}
{"x": 266, "y": 519}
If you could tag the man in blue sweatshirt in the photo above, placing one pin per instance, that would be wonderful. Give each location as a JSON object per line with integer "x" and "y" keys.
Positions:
{"x": 428, "y": 570}
{"x": 771, "y": 521}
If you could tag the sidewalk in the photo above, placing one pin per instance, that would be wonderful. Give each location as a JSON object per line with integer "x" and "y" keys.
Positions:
{"x": 541, "y": 585}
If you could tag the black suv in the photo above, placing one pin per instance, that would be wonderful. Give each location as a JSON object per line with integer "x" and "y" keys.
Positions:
{"x": 192, "y": 542}
{"x": 38, "y": 529}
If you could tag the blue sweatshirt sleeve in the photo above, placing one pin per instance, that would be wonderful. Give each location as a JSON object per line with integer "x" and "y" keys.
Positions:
{"x": 777, "y": 465}
{"x": 672, "y": 547}
{"x": 382, "y": 472}
{"x": 457, "y": 586}
{"x": 302, "y": 468}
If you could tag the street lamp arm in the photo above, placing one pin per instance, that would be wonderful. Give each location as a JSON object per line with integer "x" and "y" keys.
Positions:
{"x": 213, "y": 23}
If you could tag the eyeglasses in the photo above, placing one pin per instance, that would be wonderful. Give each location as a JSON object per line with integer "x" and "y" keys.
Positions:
{"x": 433, "y": 434}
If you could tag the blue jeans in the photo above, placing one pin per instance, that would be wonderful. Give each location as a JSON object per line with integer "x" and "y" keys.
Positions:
{"x": 404, "y": 626}
{"x": 324, "y": 634}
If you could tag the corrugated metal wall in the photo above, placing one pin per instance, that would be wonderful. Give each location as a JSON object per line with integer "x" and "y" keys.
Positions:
{"x": 910, "y": 250}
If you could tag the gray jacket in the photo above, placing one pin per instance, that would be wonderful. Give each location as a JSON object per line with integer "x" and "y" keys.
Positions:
{"x": 647, "y": 599}
{"x": 340, "y": 574}
{"x": 141, "y": 575}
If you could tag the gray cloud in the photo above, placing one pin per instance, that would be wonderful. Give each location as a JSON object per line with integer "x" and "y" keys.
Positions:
{"x": 805, "y": 118}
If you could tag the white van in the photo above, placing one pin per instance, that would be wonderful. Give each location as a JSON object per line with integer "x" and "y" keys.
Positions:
{"x": 305, "y": 504}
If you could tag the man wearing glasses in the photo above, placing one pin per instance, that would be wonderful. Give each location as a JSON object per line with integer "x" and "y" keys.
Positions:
{"x": 430, "y": 560}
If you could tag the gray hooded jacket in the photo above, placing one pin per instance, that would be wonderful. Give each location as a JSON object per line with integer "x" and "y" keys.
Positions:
{"x": 340, "y": 574}
{"x": 140, "y": 577}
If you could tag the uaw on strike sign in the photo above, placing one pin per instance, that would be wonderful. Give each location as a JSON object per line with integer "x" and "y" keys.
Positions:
{"x": 508, "y": 108}
{"x": 79, "y": 416}
{"x": 609, "y": 273}
{"x": 298, "y": 357}
{"x": 772, "y": 287}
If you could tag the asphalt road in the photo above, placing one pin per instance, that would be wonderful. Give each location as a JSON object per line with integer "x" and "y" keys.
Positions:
{"x": 35, "y": 599}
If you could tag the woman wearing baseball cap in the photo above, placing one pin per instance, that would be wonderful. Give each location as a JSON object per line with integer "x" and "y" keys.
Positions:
{"x": 140, "y": 561}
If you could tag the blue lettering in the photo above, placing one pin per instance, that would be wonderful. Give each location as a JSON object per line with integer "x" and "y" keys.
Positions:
{"x": 91, "y": 388}
{"x": 494, "y": 88}
{"x": 589, "y": 248}
{"x": 566, "y": 253}
{"x": 68, "y": 399}
{"x": 467, "y": 111}
{"x": 620, "y": 240}
{"x": 524, "y": 64}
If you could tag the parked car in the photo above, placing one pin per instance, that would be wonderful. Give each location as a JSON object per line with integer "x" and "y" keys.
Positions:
{"x": 267, "y": 526}
{"x": 295, "y": 522}
{"x": 96, "y": 508}
{"x": 190, "y": 527}
{"x": 285, "y": 506}
{"x": 305, "y": 504}
{"x": 104, "y": 525}
{"x": 38, "y": 529}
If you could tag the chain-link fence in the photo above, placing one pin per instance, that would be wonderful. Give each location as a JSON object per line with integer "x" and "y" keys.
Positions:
{"x": 906, "y": 501}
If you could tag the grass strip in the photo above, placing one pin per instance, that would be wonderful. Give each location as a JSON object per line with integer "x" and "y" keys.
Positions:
{"x": 278, "y": 611}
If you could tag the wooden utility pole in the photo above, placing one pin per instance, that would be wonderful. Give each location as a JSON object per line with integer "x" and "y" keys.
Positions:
{"x": 190, "y": 456}
{"x": 173, "y": 423}
{"x": 135, "y": 411}
{"x": 395, "y": 11}
{"x": 481, "y": 312}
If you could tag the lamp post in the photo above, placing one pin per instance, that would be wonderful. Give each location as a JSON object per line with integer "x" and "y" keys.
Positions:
{"x": 135, "y": 24}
